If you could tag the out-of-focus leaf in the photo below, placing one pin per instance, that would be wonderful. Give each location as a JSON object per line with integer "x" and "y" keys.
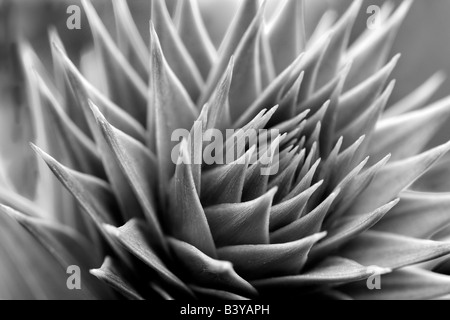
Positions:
{"x": 392, "y": 251}
{"x": 66, "y": 246}
{"x": 67, "y": 100}
{"x": 418, "y": 215}
{"x": 71, "y": 143}
{"x": 369, "y": 54}
{"x": 436, "y": 179}
{"x": 63, "y": 144}
{"x": 175, "y": 51}
{"x": 351, "y": 102}
{"x": 48, "y": 195}
{"x": 312, "y": 60}
{"x": 129, "y": 40}
{"x": 246, "y": 85}
{"x": 241, "y": 22}
{"x": 11, "y": 199}
{"x": 125, "y": 85}
{"x": 266, "y": 63}
{"x": 328, "y": 131}
{"x": 323, "y": 26}
{"x": 418, "y": 98}
{"x": 195, "y": 37}
{"x": 408, "y": 134}
{"x": 338, "y": 45}
{"x": 321, "y": 98}
{"x": 394, "y": 178}
{"x": 407, "y": 284}
{"x": 287, "y": 33}
{"x": 32, "y": 273}
{"x": 81, "y": 87}
{"x": 366, "y": 123}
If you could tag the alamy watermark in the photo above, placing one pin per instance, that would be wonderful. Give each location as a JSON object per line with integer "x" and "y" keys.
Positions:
{"x": 74, "y": 280}
{"x": 374, "y": 21}
{"x": 374, "y": 281}
{"x": 213, "y": 147}
{"x": 74, "y": 20}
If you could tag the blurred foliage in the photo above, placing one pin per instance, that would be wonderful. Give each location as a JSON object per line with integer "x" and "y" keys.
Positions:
{"x": 423, "y": 39}
{"x": 423, "y": 42}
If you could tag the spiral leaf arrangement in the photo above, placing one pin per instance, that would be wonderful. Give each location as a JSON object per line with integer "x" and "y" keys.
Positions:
{"x": 351, "y": 197}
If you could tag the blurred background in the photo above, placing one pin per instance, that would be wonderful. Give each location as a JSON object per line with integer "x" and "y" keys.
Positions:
{"x": 423, "y": 41}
